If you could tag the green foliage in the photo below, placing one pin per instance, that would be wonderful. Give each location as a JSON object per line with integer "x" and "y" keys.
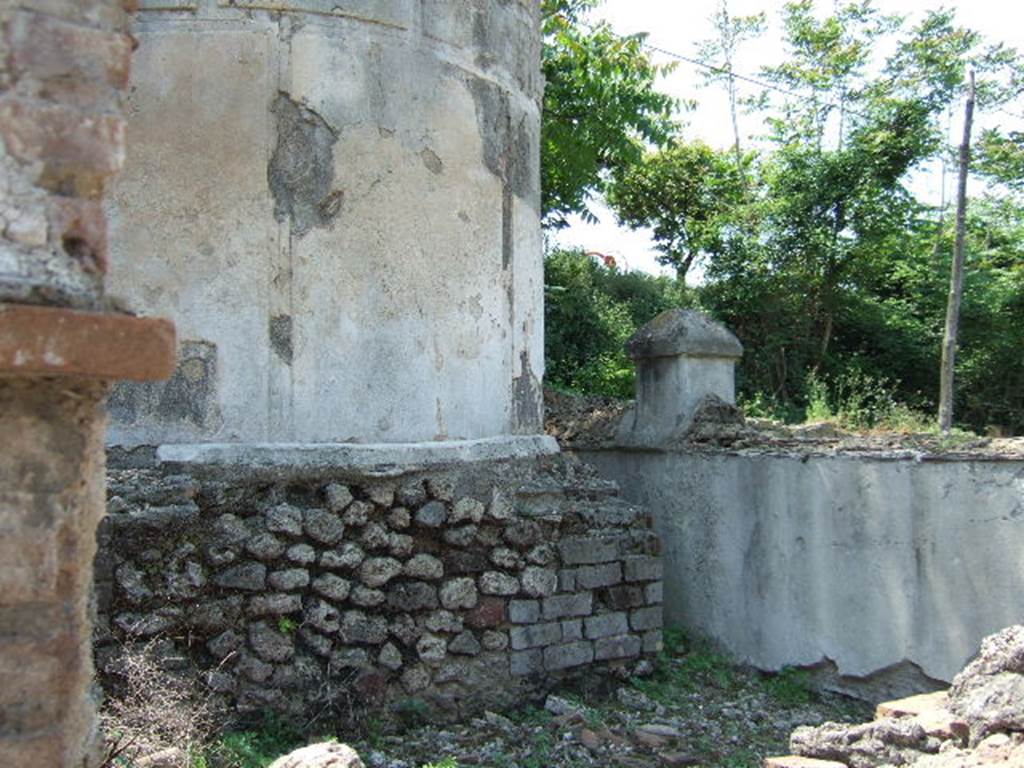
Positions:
{"x": 686, "y": 194}
{"x": 686, "y": 665}
{"x": 591, "y": 309}
{"x": 287, "y": 625}
{"x": 601, "y": 107}
{"x": 790, "y": 686}
{"x": 815, "y": 252}
{"x": 412, "y": 712}
{"x": 448, "y": 762}
{"x": 256, "y": 748}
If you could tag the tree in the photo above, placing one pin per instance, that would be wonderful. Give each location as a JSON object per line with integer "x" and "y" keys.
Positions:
{"x": 601, "y": 108}
{"x": 686, "y": 194}
{"x": 722, "y": 52}
{"x": 956, "y": 283}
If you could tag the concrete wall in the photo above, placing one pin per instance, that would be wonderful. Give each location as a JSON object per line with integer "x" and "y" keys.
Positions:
{"x": 338, "y": 204}
{"x": 865, "y": 561}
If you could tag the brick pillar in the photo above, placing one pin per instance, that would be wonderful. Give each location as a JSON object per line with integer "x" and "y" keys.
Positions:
{"x": 63, "y": 65}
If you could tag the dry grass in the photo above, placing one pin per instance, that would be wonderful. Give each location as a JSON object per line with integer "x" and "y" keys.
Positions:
{"x": 153, "y": 709}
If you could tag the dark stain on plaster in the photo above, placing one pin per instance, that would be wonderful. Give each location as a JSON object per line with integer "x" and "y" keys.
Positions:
{"x": 280, "y": 328}
{"x": 187, "y": 399}
{"x": 431, "y": 161}
{"x": 301, "y": 170}
{"x": 527, "y": 398}
{"x": 508, "y": 147}
{"x": 507, "y": 228}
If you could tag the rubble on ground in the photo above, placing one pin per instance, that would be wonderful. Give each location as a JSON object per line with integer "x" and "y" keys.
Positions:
{"x": 979, "y": 721}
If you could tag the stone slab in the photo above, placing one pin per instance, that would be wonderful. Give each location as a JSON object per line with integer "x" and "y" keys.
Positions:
{"x": 795, "y": 761}
{"x": 382, "y": 459}
{"x": 50, "y": 341}
{"x": 912, "y": 705}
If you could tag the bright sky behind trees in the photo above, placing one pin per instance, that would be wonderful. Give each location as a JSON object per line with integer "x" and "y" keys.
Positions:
{"x": 677, "y": 26}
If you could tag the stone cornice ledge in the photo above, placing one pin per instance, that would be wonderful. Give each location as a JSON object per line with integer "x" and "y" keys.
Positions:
{"x": 56, "y": 341}
{"x": 381, "y": 459}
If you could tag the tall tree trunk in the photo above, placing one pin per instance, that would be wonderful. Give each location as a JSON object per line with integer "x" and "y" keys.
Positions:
{"x": 956, "y": 283}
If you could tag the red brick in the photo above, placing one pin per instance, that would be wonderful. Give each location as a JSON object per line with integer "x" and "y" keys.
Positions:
{"x": 81, "y": 228}
{"x": 489, "y": 612}
{"x": 49, "y": 48}
{"x": 79, "y": 149}
{"x": 47, "y": 341}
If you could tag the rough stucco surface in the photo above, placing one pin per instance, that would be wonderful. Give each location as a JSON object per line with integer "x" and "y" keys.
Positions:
{"x": 337, "y": 203}
{"x": 867, "y": 562}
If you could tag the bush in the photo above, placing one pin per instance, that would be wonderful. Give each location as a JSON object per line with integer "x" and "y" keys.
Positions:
{"x": 591, "y": 310}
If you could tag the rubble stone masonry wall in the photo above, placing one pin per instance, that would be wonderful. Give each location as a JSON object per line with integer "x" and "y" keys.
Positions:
{"x": 460, "y": 588}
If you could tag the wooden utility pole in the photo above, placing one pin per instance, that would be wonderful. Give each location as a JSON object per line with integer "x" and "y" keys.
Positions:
{"x": 956, "y": 283}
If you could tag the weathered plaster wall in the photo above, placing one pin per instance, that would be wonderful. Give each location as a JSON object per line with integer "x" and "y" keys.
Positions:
{"x": 330, "y": 592}
{"x": 337, "y": 202}
{"x": 866, "y": 561}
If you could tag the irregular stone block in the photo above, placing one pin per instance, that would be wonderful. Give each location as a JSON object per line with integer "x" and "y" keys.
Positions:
{"x": 646, "y": 618}
{"x": 301, "y": 554}
{"x": 466, "y": 509}
{"x": 365, "y": 597}
{"x": 432, "y": 649}
{"x": 284, "y": 519}
{"x": 399, "y": 518}
{"x": 358, "y": 627}
{"x": 413, "y": 596}
{"x": 605, "y": 625}
{"x": 323, "y": 526}
{"x": 265, "y": 546}
{"x": 247, "y": 576}
{"x": 338, "y": 497}
{"x": 586, "y": 550}
{"x": 274, "y": 605}
{"x": 344, "y": 558}
{"x": 424, "y": 566}
{"x": 579, "y": 604}
{"x": 489, "y": 612}
{"x": 465, "y": 644}
{"x": 527, "y": 662}
{"x": 321, "y": 616}
{"x": 378, "y": 571}
{"x": 459, "y": 593}
{"x": 431, "y": 515}
{"x": 535, "y": 635}
{"x": 594, "y": 576}
{"x": 642, "y": 568}
{"x": 573, "y": 654}
{"x": 332, "y": 587}
{"x": 357, "y": 514}
{"x": 498, "y": 583}
{"x": 289, "y": 579}
{"x": 539, "y": 582}
{"x": 524, "y": 611}
{"x": 269, "y": 644}
{"x": 620, "y": 647}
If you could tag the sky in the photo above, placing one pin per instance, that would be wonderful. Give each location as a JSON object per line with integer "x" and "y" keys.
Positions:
{"x": 677, "y": 25}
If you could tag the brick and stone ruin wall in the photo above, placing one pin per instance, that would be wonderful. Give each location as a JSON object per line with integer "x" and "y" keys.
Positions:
{"x": 462, "y": 588}
{"x": 63, "y": 67}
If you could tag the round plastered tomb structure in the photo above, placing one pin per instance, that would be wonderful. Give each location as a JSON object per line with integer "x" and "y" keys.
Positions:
{"x": 337, "y": 201}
